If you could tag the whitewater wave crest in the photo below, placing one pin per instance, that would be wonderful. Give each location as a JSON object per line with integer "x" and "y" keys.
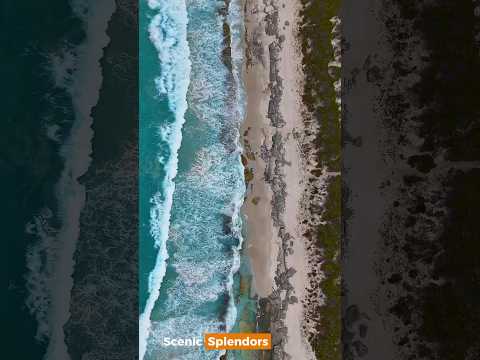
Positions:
{"x": 168, "y": 33}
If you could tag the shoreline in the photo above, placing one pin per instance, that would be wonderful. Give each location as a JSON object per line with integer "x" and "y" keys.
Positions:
{"x": 274, "y": 173}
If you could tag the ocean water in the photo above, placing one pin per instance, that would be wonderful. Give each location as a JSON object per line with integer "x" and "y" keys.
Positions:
{"x": 191, "y": 175}
{"x": 54, "y": 78}
{"x": 39, "y": 117}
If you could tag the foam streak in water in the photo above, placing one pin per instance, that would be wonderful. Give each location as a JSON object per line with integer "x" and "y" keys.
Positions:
{"x": 236, "y": 24}
{"x": 50, "y": 261}
{"x": 168, "y": 33}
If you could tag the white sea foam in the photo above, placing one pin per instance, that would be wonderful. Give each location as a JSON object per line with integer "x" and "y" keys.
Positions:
{"x": 39, "y": 262}
{"x": 236, "y": 22}
{"x": 205, "y": 254}
{"x": 212, "y": 179}
{"x": 50, "y": 261}
{"x": 168, "y": 33}
{"x": 189, "y": 323}
{"x": 231, "y": 316}
{"x": 210, "y": 174}
{"x": 235, "y": 19}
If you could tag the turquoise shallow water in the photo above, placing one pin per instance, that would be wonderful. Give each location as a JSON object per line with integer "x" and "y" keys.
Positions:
{"x": 191, "y": 185}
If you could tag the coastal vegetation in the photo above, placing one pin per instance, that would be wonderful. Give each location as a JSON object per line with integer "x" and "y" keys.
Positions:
{"x": 320, "y": 98}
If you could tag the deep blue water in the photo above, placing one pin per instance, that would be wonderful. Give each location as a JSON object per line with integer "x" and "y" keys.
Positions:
{"x": 37, "y": 116}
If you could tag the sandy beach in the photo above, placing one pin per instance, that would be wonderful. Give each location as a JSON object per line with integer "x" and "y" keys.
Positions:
{"x": 274, "y": 170}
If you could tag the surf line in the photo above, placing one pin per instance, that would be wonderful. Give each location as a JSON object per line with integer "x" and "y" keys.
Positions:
{"x": 168, "y": 33}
